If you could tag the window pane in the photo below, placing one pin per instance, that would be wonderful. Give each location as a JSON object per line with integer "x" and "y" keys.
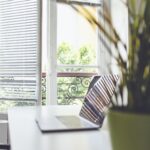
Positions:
{"x": 76, "y": 39}
{"x": 76, "y": 54}
{"x": 71, "y": 90}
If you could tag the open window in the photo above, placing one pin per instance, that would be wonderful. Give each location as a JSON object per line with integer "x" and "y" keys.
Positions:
{"x": 73, "y": 51}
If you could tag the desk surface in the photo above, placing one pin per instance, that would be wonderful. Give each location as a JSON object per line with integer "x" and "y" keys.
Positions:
{"x": 25, "y": 134}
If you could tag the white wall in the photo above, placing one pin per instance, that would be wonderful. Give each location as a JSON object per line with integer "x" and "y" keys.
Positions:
{"x": 119, "y": 13}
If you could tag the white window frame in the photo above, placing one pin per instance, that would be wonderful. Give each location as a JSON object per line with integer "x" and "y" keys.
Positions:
{"x": 51, "y": 34}
{"x": 51, "y": 46}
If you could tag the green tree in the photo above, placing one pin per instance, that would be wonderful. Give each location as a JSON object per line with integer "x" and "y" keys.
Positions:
{"x": 72, "y": 86}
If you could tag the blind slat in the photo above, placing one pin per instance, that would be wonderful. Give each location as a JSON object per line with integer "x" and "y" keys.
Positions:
{"x": 19, "y": 41}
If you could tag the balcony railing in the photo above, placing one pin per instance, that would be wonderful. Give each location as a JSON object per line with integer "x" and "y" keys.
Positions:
{"x": 71, "y": 87}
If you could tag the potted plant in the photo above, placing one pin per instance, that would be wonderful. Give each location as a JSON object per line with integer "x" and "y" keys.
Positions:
{"x": 129, "y": 123}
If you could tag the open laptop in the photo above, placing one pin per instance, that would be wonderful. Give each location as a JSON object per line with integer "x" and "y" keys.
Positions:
{"x": 91, "y": 115}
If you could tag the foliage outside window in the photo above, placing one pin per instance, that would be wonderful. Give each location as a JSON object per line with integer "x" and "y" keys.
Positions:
{"x": 71, "y": 90}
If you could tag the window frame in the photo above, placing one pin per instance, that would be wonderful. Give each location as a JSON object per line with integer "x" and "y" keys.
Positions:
{"x": 51, "y": 67}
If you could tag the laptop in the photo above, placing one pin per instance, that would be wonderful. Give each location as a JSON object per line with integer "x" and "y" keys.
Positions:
{"x": 92, "y": 113}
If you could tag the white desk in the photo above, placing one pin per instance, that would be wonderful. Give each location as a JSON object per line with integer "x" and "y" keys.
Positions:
{"x": 25, "y": 134}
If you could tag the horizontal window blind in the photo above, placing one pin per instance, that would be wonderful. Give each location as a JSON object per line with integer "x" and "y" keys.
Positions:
{"x": 19, "y": 49}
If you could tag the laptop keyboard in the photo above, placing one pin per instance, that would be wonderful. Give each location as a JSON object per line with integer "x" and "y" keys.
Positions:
{"x": 73, "y": 121}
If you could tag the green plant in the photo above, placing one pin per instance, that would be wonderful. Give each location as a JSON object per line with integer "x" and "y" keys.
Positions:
{"x": 135, "y": 69}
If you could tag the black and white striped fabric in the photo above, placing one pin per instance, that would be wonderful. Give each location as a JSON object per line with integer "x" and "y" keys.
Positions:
{"x": 98, "y": 97}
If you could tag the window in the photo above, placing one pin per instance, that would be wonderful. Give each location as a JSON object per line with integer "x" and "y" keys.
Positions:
{"x": 19, "y": 52}
{"x": 72, "y": 54}
{"x": 76, "y": 54}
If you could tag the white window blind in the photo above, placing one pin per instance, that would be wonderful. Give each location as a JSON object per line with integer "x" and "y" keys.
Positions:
{"x": 19, "y": 49}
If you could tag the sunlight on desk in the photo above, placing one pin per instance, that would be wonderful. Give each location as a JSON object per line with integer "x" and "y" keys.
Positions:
{"x": 25, "y": 134}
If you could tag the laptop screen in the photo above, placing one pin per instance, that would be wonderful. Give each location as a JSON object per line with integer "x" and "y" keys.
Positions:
{"x": 98, "y": 97}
